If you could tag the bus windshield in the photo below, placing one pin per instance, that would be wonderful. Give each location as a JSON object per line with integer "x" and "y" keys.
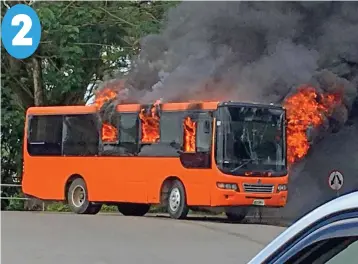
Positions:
{"x": 251, "y": 140}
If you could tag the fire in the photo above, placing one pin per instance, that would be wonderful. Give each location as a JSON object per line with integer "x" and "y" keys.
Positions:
{"x": 109, "y": 132}
{"x": 304, "y": 109}
{"x": 150, "y": 124}
{"x": 189, "y": 134}
{"x": 103, "y": 96}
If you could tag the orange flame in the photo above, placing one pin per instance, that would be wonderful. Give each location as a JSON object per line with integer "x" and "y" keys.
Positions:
{"x": 103, "y": 96}
{"x": 189, "y": 134}
{"x": 109, "y": 132}
{"x": 305, "y": 108}
{"x": 150, "y": 124}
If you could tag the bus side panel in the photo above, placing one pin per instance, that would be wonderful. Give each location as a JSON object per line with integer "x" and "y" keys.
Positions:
{"x": 46, "y": 177}
{"x": 156, "y": 170}
{"x": 134, "y": 175}
{"x": 114, "y": 179}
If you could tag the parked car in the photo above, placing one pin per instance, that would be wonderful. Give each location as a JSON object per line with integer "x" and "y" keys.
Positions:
{"x": 328, "y": 234}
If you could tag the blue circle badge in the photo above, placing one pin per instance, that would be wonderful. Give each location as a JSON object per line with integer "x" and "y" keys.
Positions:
{"x": 21, "y": 31}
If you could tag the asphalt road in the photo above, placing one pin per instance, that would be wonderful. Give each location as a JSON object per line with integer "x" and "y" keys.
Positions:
{"x": 43, "y": 238}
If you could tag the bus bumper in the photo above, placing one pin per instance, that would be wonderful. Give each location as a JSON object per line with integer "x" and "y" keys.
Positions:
{"x": 237, "y": 198}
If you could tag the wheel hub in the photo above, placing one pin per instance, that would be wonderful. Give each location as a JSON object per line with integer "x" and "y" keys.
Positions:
{"x": 78, "y": 196}
{"x": 174, "y": 199}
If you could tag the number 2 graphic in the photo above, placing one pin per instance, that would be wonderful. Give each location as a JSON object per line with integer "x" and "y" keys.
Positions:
{"x": 20, "y": 39}
{"x": 21, "y": 31}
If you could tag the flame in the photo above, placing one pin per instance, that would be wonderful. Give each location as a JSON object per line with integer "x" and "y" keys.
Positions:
{"x": 109, "y": 132}
{"x": 189, "y": 134}
{"x": 304, "y": 109}
{"x": 103, "y": 96}
{"x": 150, "y": 124}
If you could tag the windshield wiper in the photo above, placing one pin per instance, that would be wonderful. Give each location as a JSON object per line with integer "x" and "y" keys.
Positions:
{"x": 247, "y": 161}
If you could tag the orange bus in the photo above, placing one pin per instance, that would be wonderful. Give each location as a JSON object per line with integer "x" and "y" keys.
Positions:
{"x": 226, "y": 156}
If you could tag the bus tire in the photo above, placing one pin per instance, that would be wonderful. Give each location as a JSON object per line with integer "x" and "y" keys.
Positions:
{"x": 237, "y": 214}
{"x": 176, "y": 205}
{"x": 133, "y": 209}
{"x": 77, "y": 197}
{"x": 94, "y": 209}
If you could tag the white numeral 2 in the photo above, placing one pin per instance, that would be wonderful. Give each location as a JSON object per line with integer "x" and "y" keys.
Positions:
{"x": 19, "y": 39}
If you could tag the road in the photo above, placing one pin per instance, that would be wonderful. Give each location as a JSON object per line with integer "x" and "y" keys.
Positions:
{"x": 43, "y": 238}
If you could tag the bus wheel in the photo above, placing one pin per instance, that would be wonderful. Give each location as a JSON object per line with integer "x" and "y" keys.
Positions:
{"x": 236, "y": 214}
{"x": 77, "y": 197}
{"x": 94, "y": 209}
{"x": 177, "y": 207}
{"x": 133, "y": 209}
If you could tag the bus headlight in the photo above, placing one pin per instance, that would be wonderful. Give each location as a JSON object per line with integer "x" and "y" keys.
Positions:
{"x": 281, "y": 187}
{"x": 227, "y": 186}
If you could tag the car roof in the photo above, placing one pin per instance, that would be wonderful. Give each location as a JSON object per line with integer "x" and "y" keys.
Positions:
{"x": 342, "y": 203}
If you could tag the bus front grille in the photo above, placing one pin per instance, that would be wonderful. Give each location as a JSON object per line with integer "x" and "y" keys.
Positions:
{"x": 258, "y": 188}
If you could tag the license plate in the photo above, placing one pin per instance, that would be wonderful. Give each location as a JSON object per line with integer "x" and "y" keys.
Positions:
{"x": 259, "y": 202}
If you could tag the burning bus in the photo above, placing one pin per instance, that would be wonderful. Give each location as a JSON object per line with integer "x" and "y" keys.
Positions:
{"x": 225, "y": 156}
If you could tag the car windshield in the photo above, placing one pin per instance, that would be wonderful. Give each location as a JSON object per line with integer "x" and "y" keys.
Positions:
{"x": 250, "y": 139}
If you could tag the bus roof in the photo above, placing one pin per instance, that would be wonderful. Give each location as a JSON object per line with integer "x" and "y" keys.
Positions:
{"x": 88, "y": 109}
{"x": 171, "y": 106}
{"x": 56, "y": 110}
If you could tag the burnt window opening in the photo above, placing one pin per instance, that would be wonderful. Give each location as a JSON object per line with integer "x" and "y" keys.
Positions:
{"x": 171, "y": 137}
{"x": 149, "y": 124}
{"x": 189, "y": 131}
{"x": 45, "y": 135}
{"x": 110, "y": 129}
{"x": 81, "y": 135}
{"x": 127, "y": 144}
{"x": 197, "y": 141}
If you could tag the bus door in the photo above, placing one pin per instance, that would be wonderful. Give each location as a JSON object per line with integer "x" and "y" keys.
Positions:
{"x": 196, "y": 156}
{"x": 126, "y": 167}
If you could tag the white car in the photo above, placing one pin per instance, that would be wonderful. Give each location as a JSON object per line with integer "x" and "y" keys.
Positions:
{"x": 328, "y": 234}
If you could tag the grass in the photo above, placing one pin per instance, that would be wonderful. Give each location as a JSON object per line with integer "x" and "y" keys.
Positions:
{"x": 155, "y": 209}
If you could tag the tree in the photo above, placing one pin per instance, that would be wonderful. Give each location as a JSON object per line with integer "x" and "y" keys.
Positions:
{"x": 81, "y": 43}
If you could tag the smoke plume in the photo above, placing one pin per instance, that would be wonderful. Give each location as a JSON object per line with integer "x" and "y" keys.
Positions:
{"x": 261, "y": 52}
{"x": 251, "y": 51}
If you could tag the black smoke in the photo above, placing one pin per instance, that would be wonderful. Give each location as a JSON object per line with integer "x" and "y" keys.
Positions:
{"x": 252, "y": 51}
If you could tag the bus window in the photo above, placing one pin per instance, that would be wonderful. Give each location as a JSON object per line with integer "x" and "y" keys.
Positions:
{"x": 204, "y": 133}
{"x": 149, "y": 125}
{"x": 44, "y": 135}
{"x": 171, "y": 137}
{"x": 197, "y": 141}
{"x": 128, "y": 134}
{"x": 80, "y": 135}
{"x": 171, "y": 128}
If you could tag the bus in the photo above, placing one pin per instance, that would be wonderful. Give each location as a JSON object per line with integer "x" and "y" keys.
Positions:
{"x": 223, "y": 156}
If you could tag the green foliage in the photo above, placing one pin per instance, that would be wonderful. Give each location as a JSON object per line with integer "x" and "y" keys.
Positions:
{"x": 81, "y": 43}
{"x": 109, "y": 208}
{"x": 58, "y": 207}
{"x": 12, "y": 125}
{"x": 16, "y": 204}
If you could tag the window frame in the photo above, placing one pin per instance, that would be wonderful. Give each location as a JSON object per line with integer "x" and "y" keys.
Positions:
{"x": 114, "y": 143}
{"x": 29, "y": 142}
{"x": 99, "y": 130}
{"x": 146, "y": 107}
{"x": 195, "y": 115}
{"x": 182, "y": 116}
{"x": 137, "y": 122}
{"x": 322, "y": 229}
{"x": 210, "y": 119}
